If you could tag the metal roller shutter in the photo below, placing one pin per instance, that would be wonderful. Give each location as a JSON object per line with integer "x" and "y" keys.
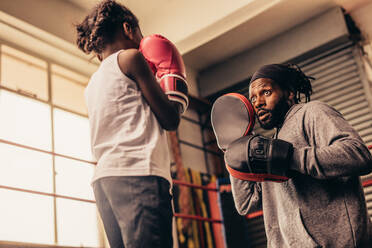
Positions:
{"x": 340, "y": 83}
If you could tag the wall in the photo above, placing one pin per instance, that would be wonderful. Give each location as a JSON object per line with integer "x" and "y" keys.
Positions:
{"x": 316, "y": 32}
{"x": 54, "y": 16}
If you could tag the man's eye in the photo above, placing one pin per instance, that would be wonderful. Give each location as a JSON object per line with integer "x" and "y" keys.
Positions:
{"x": 253, "y": 99}
{"x": 267, "y": 92}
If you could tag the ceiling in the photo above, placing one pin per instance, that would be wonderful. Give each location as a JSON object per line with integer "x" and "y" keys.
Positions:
{"x": 210, "y": 31}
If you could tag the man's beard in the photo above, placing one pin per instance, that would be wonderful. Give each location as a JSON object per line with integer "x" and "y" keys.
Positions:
{"x": 277, "y": 115}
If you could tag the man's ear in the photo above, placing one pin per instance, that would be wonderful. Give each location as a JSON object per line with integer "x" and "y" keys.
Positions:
{"x": 291, "y": 97}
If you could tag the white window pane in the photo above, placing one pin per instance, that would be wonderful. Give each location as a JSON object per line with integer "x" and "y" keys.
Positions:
{"x": 71, "y": 135}
{"x": 26, "y": 217}
{"x": 24, "y": 73}
{"x": 24, "y": 120}
{"x": 77, "y": 223}
{"x": 73, "y": 178}
{"x": 68, "y": 89}
{"x": 27, "y": 169}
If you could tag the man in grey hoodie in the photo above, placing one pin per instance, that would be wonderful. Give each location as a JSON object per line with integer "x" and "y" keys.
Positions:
{"x": 322, "y": 204}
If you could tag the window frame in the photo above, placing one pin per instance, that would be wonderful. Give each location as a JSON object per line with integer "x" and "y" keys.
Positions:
{"x": 50, "y": 62}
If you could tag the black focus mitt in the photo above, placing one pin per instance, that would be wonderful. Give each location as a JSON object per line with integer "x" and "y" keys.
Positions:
{"x": 247, "y": 156}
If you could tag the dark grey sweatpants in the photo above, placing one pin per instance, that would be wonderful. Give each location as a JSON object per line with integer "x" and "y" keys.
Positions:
{"x": 136, "y": 211}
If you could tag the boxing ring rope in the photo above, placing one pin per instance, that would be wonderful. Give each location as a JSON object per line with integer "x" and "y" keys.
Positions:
{"x": 176, "y": 182}
{"x": 366, "y": 183}
{"x": 196, "y": 217}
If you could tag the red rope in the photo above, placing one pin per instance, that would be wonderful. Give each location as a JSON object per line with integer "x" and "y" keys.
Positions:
{"x": 254, "y": 214}
{"x": 178, "y": 182}
{"x": 195, "y": 217}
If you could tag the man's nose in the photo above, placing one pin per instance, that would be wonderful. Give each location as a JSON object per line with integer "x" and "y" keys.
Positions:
{"x": 260, "y": 102}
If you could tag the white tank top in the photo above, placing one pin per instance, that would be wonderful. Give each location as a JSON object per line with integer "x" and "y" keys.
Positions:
{"x": 126, "y": 138}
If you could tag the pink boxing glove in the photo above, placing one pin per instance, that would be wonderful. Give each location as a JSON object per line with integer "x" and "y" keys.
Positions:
{"x": 167, "y": 64}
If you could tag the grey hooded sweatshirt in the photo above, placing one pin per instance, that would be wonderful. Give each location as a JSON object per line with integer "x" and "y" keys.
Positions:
{"x": 323, "y": 204}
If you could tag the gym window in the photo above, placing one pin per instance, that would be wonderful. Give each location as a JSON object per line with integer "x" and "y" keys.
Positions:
{"x": 45, "y": 158}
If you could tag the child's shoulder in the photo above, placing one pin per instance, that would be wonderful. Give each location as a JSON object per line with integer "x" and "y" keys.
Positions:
{"x": 131, "y": 61}
{"x": 129, "y": 54}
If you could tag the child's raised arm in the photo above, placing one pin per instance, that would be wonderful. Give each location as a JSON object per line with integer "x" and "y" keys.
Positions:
{"x": 133, "y": 64}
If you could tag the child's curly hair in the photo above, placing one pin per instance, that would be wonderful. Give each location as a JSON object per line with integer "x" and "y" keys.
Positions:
{"x": 101, "y": 25}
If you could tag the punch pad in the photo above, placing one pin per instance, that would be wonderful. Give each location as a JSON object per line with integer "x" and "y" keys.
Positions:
{"x": 232, "y": 117}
